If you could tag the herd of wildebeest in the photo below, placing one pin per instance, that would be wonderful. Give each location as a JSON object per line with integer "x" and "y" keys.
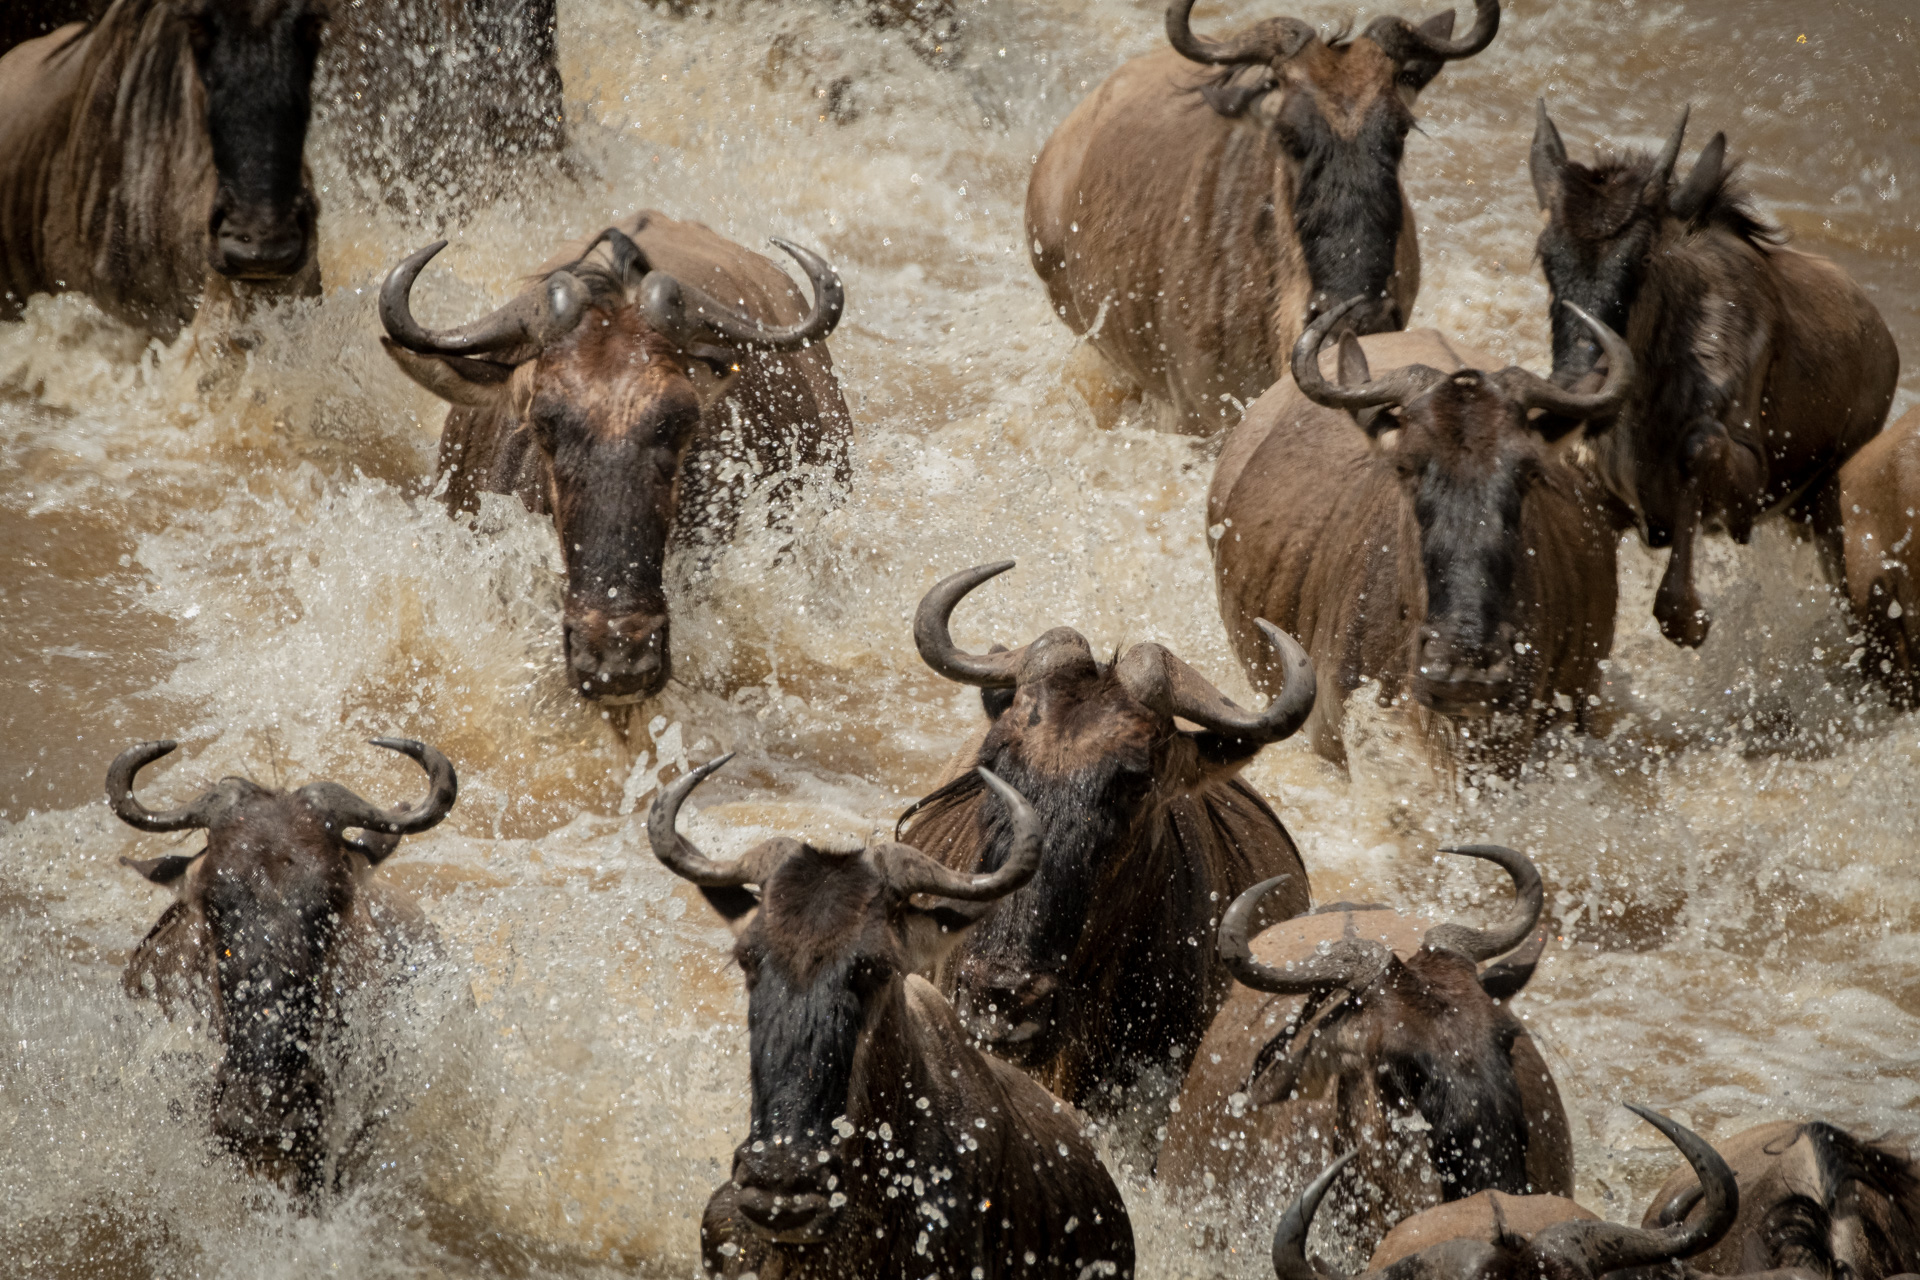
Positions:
{"x": 1095, "y": 893}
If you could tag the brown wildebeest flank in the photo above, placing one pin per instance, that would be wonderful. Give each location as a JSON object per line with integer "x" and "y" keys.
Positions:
{"x": 1204, "y": 203}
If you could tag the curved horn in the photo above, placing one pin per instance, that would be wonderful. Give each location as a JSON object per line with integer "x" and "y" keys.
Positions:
{"x": 937, "y": 650}
{"x": 1656, "y": 188}
{"x": 1405, "y": 42}
{"x": 1350, "y": 962}
{"x": 921, "y": 874}
{"x": 1162, "y": 681}
{"x": 535, "y": 317}
{"x": 1290, "y": 1237}
{"x": 1536, "y": 392}
{"x": 1484, "y": 944}
{"x": 1610, "y": 1246}
{"x": 343, "y": 809}
{"x": 1269, "y": 41}
{"x": 680, "y": 854}
{"x": 1397, "y": 387}
{"x": 129, "y": 810}
{"x": 685, "y": 313}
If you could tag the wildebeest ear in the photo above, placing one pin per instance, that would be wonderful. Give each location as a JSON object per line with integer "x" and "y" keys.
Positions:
{"x": 734, "y": 903}
{"x": 1417, "y": 73}
{"x": 1235, "y": 92}
{"x": 1548, "y": 159}
{"x": 1503, "y": 980}
{"x": 1688, "y": 202}
{"x": 162, "y": 871}
{"x": 481, "y": 384}
{"x": 996, "y": 701}
{"x": 1352, "y": 370}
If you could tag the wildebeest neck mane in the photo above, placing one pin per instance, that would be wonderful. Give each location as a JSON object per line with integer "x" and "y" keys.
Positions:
{"x": 1800, "y": 1231}
{"x": 1595, "y": 202}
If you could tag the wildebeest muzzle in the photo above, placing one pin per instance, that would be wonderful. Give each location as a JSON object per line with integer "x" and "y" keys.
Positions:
{"x": 616, "y": 658}
{"x": 787, "y": 1190}
{"x": 259, "y": 240}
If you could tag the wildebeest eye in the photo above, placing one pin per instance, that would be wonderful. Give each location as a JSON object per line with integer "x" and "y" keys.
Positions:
{"x": 311, "y": 27}
{"x": 868, "y": 974}
{"x": 199, "y": 29}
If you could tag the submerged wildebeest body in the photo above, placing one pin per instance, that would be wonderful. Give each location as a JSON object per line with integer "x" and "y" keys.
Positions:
{"x": 619, "y": 394}
{"x": 1762, "y": 369}
{"x": 1814, "y": 1200}
{"x": 1358, "y": 1027}
{"x": 270, "y": 919}
{"x": 1197, "y": 209}
{"x": 1444, "y": 549}
{"x": 881, "y": 1143}
{"x": 1101, "y": 965}
{"x": 1494, "y": 1237}
{"x": 160, "y": 143}
{"x": 1879, "y": 516}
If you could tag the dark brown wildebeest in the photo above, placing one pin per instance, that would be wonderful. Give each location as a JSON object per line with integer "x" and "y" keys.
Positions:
{"x": 162, "y": 141}
{"x": 1444, "y": 549}
{"x": 1879, "y": 516}
{"x": 1101, "y": 964}
{"x": 1814, "y": 1201}
{"x": 1762, "y": 369}
{"x": 278, "y": 911}
{"x": 881, "y": 1143}
{"x": 1520, "y": 1238}
{"x": 1201, "y": 206}
{"x": 1358, "y": 1027}
{"x": 619, "y": 395}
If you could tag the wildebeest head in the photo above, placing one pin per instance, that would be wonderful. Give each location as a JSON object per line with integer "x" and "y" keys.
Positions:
{"x": 1466, "y": 450}
{"x": 1421, "y": 1034}
{"x": 270, "y": 890}
{"x": 1814, "y": 1199}
{"x": 1576, "y": 1249}
{"x": 826, "y": 940}
{"x": 256, "y": 60}
{"x": 1603, "y": 223}
{"x": 610, "y": 365}
{"x": 1339, "y": 114}
{"x": 1096, "y": 748}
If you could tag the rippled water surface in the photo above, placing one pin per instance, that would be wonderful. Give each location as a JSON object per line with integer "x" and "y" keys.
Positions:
{"x": 245, "y": 556}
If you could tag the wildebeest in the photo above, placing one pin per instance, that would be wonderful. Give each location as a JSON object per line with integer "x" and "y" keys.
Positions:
{"x": 1879, "y": 515}
{"x": 1814, "y": 1200}
{"x": 1358, "y": 1027}
{"x": 1761, "y": 369}
{"x": 620, "y": 394}
{"x": 1445, "y": 549}
{"x": 1520, "y": 1238}
{"x": 162, "y": 141}
{"x": 270, "y": 919}
{"x": 881, "y": 1144}
{"x": 24, "y": 19}
{"x": 1201, "y": 206}
{"x": 1100, "y": 965}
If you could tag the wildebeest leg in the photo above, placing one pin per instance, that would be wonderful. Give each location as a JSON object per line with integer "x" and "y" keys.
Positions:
{"x": 1683, "y": 619}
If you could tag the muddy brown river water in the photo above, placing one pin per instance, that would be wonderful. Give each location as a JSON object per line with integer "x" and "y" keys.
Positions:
{"x": 246, "y": 557}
